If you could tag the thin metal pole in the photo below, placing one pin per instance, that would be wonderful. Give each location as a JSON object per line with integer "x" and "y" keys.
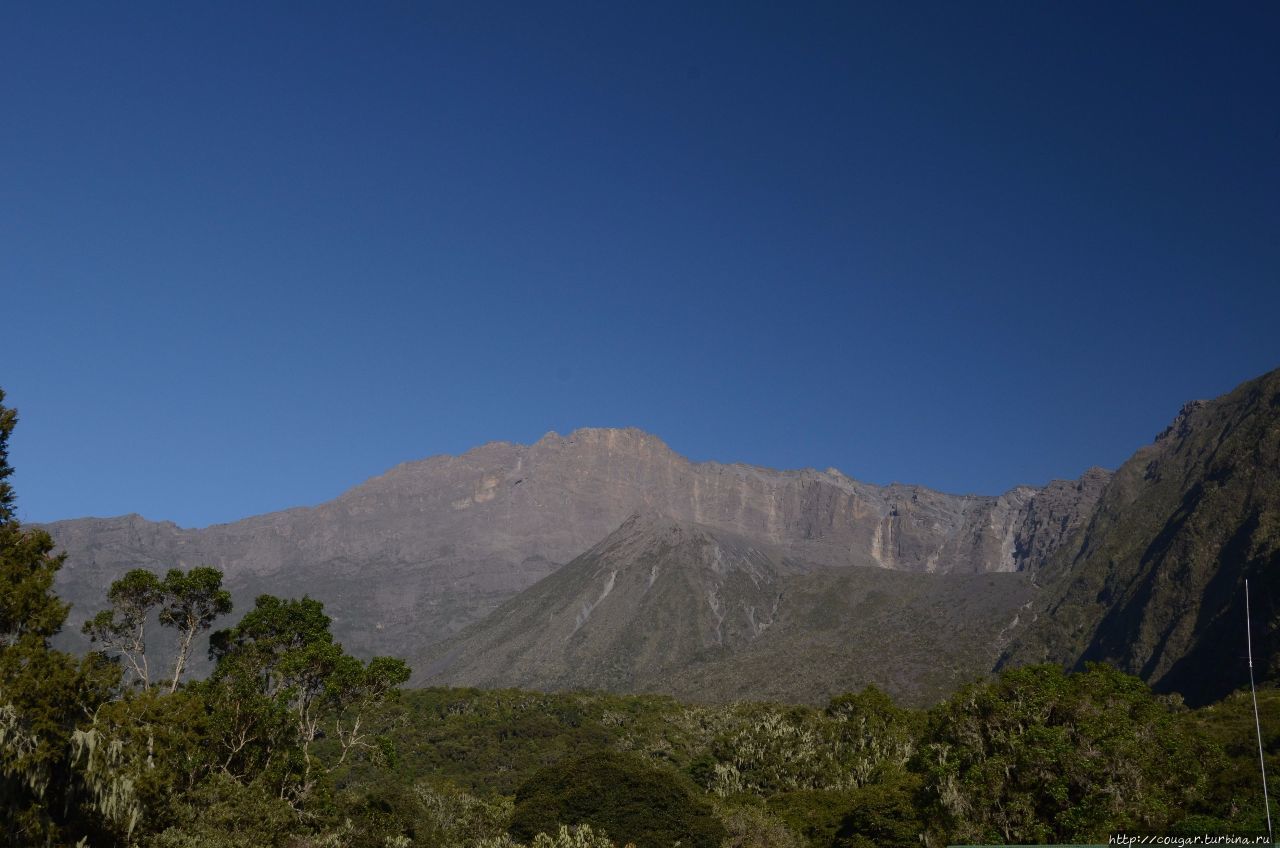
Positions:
{"x": 1257, "y": 722}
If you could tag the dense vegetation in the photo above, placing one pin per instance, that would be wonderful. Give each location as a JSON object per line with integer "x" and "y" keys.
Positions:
{"x": 1036, "y": 755}
{"x": 290, "y": 741}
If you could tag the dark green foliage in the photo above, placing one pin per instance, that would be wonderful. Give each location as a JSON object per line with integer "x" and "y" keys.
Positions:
{"x": 191, "y": 602}
{"x": 428, "y": 812}
{"x": 43, "y": 699}
{"x": 619, "y": 793}
{"x": 882, "y": 815}
{"x": 280, "y": 683}
{"x": 1234, "y": 789}
{"x": 814, "y": 815}
{"x": 1043, "y": 756}
{"x": 490, "y": 742}
{"x": 880, "y": 733}
{"x": 767, "y": 749}
{"x": 45, "y": 695}
{"x": 240, "y": 745}
{"x": 222, "y": 813}
{"x": 30, "y": 614}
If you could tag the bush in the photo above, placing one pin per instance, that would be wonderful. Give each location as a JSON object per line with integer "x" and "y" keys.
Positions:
{"x": 222, "y": 813}
{"x": 620, "y": 794}
{"x": 1043, "y": 756}
{"x": 883, "y": 815}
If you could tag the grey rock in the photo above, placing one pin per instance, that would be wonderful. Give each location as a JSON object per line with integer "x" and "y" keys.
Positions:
{"x": 708, "y": 615}
{"x": 414, "y": 555}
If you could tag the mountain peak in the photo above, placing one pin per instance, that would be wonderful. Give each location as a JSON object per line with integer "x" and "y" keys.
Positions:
{"x": 645, "y": 521}
{"x": 608, "y": 438}
{"x": 652, "y": 595}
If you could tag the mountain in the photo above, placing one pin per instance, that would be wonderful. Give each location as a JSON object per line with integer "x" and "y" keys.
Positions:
{"x": 1143, "y": 570}
{"x": 708, "y": 615}
{"x": 414, "y": 555}
{"x": 718, "y": 581}
{"x": 1154, "y": 583}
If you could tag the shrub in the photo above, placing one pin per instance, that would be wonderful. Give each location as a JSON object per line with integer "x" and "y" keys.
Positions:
{"x": 620, "y": 794}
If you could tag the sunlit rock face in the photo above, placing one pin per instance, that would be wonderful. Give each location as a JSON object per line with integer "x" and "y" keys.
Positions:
{"x": 411, "y": 556}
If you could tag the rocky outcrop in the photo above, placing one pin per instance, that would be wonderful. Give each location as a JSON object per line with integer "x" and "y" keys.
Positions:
{"x": 1053, "y": 516}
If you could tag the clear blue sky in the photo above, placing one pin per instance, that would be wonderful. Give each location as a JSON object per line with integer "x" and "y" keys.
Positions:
{"x": 252, "y": 254}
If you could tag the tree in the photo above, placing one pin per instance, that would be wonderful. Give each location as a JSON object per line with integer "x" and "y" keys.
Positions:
{"x": 876, "y": 736}
{"x": 753, "y": 827}
{"x": 46, "y": 696}
{"x": 123, "y": 627}
{"x": 29, "y": 611}
{"x": 192, "y": 601}
{"x": 883, "y": 815}
{"x": 1043, "y": 756}
{"x": 279, "y": 679}
{"x": 188, "y": 601}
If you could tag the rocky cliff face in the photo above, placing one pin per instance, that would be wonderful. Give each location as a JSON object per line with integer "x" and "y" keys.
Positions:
{"x": 413, "y": 555}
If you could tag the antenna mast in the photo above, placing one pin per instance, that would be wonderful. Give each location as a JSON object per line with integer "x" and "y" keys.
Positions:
{"x": 1257, "y": 723}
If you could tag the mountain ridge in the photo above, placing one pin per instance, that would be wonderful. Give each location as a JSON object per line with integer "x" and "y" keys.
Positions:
{"x": 1154, "y": 582}
{"x": 418, "y": 552}
{"x": 1148, "y": 580}
{"x": 509, "y": 565}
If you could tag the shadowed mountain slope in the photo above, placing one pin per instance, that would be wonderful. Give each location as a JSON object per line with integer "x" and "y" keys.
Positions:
{"x": 1154, "y": 583}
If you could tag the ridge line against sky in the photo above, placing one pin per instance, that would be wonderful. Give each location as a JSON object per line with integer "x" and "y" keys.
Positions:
{"x": 253, "y": 257}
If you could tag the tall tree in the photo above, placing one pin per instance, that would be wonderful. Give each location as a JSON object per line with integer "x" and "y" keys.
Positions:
{"x": 281, "y": 682}
{"x": 29, "y": 611}
{"x": 192, "y": 601}
{"x": 8, "y": 420}
{"x": 189, "y": 601}
{"x": 46, "y": 696}
{"x": 122, "y": 628}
